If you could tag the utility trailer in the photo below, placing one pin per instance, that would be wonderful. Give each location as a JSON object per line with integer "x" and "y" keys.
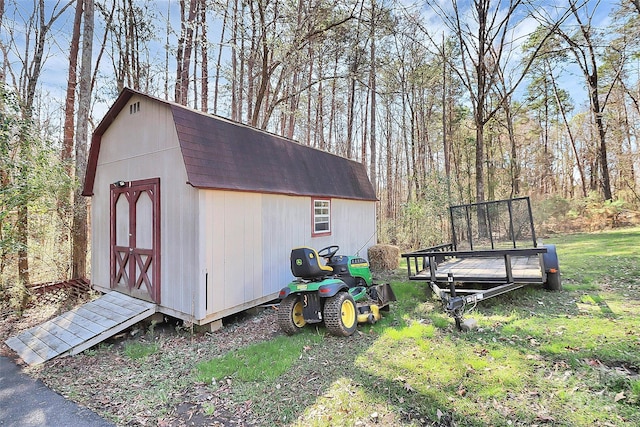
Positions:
{"x": 493, "y": 251}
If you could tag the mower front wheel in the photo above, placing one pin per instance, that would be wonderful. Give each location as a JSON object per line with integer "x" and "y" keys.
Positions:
{"x": 290, "y": 315}
{"x": 340, "y": 315}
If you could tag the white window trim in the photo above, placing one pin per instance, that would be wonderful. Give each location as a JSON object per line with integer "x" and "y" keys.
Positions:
{"x": 315, "y": 217}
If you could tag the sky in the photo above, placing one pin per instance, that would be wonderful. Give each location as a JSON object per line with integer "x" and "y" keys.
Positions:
{"x": 55, "y": 71}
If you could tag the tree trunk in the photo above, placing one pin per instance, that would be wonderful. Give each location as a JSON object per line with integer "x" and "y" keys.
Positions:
{"x": 204, "y": 44}
{"x": 219, "y": 60}
{"x": 605, "y": 182}
{"x": 70, "y": 99}
{"x": 479, "y": 116}
{"x": 80, "y": 228}
{"x": 514, "y": 167}
{"x": 204, "y": 65}
{"x": 64, "y": 198}
{"x": 372, "y": 84}
{"x": 234, "y": 64}
{"x": 445, "y": 143}
{"x": 351, "y": 96}
{"x": 390, "y": 188}
{"x": 185, "y": 47}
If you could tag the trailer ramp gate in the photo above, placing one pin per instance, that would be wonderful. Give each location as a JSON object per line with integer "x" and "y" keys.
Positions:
{"x": 81, "y": 328}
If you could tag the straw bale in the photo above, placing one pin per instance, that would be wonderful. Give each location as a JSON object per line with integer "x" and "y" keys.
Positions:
{"x": 384, "y": 257}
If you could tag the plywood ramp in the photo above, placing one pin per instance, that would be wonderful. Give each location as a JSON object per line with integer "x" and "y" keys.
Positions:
{"x": 80, "y": 328}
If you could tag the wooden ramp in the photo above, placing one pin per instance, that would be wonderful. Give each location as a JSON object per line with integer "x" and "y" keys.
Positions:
{"x": 80, "y": 328}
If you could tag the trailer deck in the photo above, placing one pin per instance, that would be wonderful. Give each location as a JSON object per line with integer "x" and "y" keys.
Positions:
{"x": 524, "y": 269}
{"x": 492, "y": 266}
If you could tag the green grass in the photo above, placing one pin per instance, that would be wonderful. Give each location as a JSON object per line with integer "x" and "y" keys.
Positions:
{"x": 568, "y": 358}
{"x": 595, "y": 259}
{"x": 136, "y": 350}
{"x": 264, "y": 361}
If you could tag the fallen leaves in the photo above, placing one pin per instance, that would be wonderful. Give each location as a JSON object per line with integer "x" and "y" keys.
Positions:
{"x": 545, "y": 418}
{"x": 619, "y": 396}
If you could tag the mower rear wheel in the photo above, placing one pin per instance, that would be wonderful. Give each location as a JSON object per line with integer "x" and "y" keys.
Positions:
{"x": 290, "y": 315}
{"x": 340, "y": 315}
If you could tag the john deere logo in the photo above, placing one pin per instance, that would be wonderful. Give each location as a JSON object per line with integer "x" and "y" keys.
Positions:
{"x": 298, "y": 261}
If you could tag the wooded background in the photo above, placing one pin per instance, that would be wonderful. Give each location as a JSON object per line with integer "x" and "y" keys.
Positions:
{"x": 445, "y": 103}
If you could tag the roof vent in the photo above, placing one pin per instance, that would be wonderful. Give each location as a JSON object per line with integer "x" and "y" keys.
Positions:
{"x": 134, "y": 108}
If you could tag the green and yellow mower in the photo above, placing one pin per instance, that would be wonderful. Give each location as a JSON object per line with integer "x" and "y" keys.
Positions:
{"x": 339, "y": 293}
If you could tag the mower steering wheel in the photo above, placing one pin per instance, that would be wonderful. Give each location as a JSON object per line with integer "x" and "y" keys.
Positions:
{"x": 328, "y": 252}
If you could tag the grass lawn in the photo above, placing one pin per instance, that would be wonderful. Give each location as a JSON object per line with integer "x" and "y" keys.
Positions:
{"x": 568, "y": 358}
{"x": 563, "y": 358}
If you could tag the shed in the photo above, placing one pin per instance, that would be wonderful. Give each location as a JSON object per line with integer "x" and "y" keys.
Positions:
{"x": 198, "y": 214}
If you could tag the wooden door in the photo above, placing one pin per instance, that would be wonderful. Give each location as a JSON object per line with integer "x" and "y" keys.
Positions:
{"x": 135, "y": 238}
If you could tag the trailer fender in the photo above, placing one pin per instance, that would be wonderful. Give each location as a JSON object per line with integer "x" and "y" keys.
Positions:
{"x": 550, "y": 259}
{"x": 551, "y": 269}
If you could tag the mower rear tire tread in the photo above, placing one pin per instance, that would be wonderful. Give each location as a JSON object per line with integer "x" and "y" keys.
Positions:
{"x": 340, "y": 314}
{"x": 290, "y": 317}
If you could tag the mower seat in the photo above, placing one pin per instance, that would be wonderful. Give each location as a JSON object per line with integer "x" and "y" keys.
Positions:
{"x": 305, "y": 263}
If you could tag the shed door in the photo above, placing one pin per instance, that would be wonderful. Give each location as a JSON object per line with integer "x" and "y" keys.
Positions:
{"x": 135, "y": 238}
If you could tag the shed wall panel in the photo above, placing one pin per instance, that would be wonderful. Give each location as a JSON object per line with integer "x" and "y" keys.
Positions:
{"x": 232, "y": 243}
{"x": 353, "y": 226}
{"x": 286, "y": 225}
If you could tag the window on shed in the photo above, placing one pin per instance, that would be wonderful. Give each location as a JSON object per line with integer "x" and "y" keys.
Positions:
{"x": 321, "y": 217}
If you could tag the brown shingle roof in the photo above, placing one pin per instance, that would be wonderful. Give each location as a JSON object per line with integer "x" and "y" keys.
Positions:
{"x": 220, "y": 154}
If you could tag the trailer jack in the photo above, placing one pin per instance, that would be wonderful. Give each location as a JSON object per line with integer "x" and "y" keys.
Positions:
{"x": 455, "y": 309}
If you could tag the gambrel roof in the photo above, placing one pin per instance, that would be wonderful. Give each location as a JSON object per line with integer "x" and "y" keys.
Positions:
{"x": 221, "y": 154}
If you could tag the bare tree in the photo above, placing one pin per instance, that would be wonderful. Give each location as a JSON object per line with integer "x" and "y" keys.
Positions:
{"x": 37, "y": 29}
{"x": 130, "y": 28}
{"x": 216, "y": 85}
{"x": 80, "y": 226}
{"x": 70, "y": 98}
{"x": 563, "y": 111}
{"x": 483, "y": 34}
{"x": 185, "y": 47}
{"x": 583, "y": 47}
{"x": 204, "y": 68}
{"x": 372, "y": 88}
{"x": 66, "y": 156}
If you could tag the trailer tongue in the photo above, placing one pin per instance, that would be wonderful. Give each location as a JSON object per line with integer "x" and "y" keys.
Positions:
{"x": 493, "y": 251}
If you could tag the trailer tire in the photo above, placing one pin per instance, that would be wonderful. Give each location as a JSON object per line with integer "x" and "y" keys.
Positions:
{"x": 290, "y": 316}
{"x": 340, "y": 315}
{"x": 553, "y": 281}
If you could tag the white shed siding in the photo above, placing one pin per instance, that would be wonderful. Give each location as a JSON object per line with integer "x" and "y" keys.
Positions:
{"x": 140, "y": 146}
{"x": 231, "y": 233}
{"x": 286, "y": 225}
{"x": 247, "y": 239}
{"x": 353, "y": 226}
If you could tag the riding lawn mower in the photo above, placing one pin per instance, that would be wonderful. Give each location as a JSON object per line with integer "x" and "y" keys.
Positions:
{"x": 339, "y": 293}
